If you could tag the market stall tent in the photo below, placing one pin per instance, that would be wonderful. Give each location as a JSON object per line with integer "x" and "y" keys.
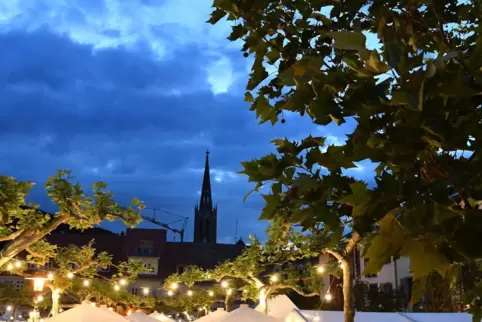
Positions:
{"x": 161, "y": 317}
{"x": 279, "y": 306}
{"x": 140, "y": 317}
{"x": 337, "y": 316}
{"x": 245, "y": 314}
{"x": 214, "y": 316}
{"x": 85, "y": 312}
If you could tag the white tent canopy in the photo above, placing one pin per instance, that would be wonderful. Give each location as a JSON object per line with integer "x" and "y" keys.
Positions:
{"x": 140, "y": 317}
{"x": 161, "y": 317}
{"x": 245, "y": 314}
{"x": 337, "y": 316}
{"x": 214, "y": 316}
{"x": 279, "y": 306}
{"x": 87, "y": 313}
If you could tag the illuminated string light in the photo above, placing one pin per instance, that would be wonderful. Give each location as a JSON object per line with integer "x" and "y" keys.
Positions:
{"x": 145, "y": 290}
{"x": 50, "y": 276}
{"x": 18, "y": 264}
{"x": 224, "y": 284}
{"x": 116, "y": 287}
{"x": 200, "y": 309}
{"x": 9, "y": 307}
{"x": 328, "y": 297}
{"x": 211, "y": 293}
{"x": 86, "y": 282}
{"x": 174, "y": 286}
{"x": 320, "y": 269}
{"x": 92, "y": 304}
{"x": 70, "y": 275}
{"x": 229, "y": 291}
{"x": 111, "y": 309}
{"x": 9, "y": 267}
{"x": 122, "y": 282}
{"x": 40, "y": 298}
{"x": 170, "y": 293}
{"x": 189, "y": 293}
{"x": 274, "y": 278}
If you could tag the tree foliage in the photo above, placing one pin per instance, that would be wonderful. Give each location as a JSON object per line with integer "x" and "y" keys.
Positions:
{"x": 23, "y": 225}
{"x": 253, "y": 272}
{"x": 408, "y": 74}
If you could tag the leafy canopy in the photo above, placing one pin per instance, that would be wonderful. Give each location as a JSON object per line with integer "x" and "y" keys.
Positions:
{"x": 414, "y": 91}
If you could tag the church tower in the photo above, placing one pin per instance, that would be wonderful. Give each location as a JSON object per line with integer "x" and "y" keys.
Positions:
{"x": 205, "y": 215}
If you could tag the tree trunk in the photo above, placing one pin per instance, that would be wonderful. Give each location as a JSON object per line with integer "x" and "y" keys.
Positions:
{"x": 227, "y": 303}
{"x": 348, "y": 298}
{"x": 263, "y": 301}
{"x": 55, "y": 302}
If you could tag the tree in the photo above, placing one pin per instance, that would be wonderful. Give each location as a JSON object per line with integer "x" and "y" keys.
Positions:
{"x": 75, "y": 270}
{"x": 23, "y": 224}
{"x": 255, "y": 268}
{"x": 414, "y": 99}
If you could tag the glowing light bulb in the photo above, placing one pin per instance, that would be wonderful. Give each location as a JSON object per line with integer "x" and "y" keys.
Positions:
{"x": 86, "y": 282}
{"x": 9, "y": 307}
{"x": 40, "y": 298}
{"x": 122, "y": 282}
{"x": 170, "y": 293}
{"x": 116, "y": 287}
{"x": 211, "y": 293}
{"x": 320, "y": 269}
{"x": 200, "y": 309}
{"x": 70, "y": 275}
{"x": 229, "y": 291}
{"x": 274, "y": 278}
{"x": 9, "y": 267}
{"x": 92, "y": 304}
{"x": 224, "y": 284}
{"x": 328, "y": 297}
{"x": 18, "y": 264}
{"x": 174, "y": 286}
{"x": 50, "y": 276}
{"x": 145, "y": 290}
{"x": 316, "y": 318}
{"x": 189, "y": 293}
{"x": 111, "y": 309}
{"x": 129, "y": 312}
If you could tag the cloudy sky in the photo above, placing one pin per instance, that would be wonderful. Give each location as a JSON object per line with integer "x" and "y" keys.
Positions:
{"x": 133, "y": 93}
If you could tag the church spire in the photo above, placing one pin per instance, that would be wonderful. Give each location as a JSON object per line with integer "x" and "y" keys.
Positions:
{"x": 206, "y": 198}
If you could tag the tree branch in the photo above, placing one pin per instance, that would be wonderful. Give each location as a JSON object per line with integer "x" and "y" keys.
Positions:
{"x": 11, "y": 236}
{"x": 355, "y": 238}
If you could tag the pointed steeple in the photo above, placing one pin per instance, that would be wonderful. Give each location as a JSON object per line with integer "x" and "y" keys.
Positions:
{"x": 206, "y": 198}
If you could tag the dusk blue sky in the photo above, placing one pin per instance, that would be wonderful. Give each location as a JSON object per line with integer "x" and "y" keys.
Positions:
{"x": 133, "y": 92}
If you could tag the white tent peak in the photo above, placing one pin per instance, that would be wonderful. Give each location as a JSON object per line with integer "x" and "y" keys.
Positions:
{"x": 87, "y": 313}
{"x": 245, "y": 314}
{"x": 140, "y": 317}
{"x": 161, "y": 317}
{"x": 279, "y": 306}
{"x": 214, "y": 316}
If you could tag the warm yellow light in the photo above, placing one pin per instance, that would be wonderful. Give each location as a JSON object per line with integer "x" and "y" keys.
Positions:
{"x": 70, "y": 275}
{"x": 86, "y": 283}
{"x": 211, "y": 293}
{"x": 229, "y": 291}
{"x": 92, "y": 304}
{"x": 38, "y": 284}
{"x": 224, "y": 284}
{"x": 174, "y": 286}
{"x": 328, "y": 297}
{"x": 18, "y": 264}
{"x": 11, "y": 318}
{"x": 320, "y": 269}
{"x": 189, "y": 293}
{"x": 145, "y": 290}
{"x": 111, "y": 309}
{"x": 274, "y": 278}
{"x": 40, "y": 298}
{"x": 170, "y": 293}
{"x": 122, "y": 282}
{"x": 129, "y": 312}
{"x": 9, "y": 307}
{"x": 50, "y": 276}
{"x": 200, "y": 309}
{"x": 9, "y": 267}
{"x": 116, "y": 287}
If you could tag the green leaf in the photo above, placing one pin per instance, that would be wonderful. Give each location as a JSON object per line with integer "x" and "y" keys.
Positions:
{"x": 348, "y": 40}
{"x": 335, "y": 158}
{"x": 424, "y": 258}
{"x": 248, "y": 97}
{"x": 217, "y": 15}
{"x": 418, "y": 289}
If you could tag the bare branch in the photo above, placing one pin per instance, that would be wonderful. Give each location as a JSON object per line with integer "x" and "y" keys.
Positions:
{"x": 11, "y": 236}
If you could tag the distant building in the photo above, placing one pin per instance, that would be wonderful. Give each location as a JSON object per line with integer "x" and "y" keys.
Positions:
{"x": 150, "y": 246}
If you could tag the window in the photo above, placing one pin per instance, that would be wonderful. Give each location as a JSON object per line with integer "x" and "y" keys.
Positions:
{"x": 135, "y": 291}
{"x": 146, "y": 248}
{"x": 19, "y": 285}
{"x": 386, "y": 288}
{"x": 149, "y": 268}
{"x": 181, "y": 269}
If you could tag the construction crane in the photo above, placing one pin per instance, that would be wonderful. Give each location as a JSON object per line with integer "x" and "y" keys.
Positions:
{"x": 152, "y": 219}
